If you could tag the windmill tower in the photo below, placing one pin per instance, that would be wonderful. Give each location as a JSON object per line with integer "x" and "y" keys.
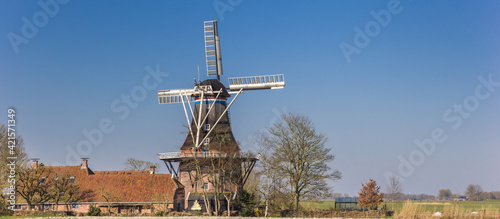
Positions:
{"x": 210, "y": 135}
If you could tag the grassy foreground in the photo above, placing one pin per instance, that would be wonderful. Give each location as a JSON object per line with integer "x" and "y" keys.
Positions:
{"x": 411, "y": 209}
{"x": 492, "y": 206}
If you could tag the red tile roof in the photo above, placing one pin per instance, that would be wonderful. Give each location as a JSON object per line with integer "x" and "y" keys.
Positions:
{"x": 120, "y": 186}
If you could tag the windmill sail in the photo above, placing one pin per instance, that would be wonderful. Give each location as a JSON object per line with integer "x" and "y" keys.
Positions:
{"x": 212, "y": 49}
{"x": 257, "y": 82}
{"x": 175, "y": 96}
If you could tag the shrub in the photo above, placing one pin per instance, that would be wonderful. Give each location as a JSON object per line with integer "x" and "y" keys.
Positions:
{"x": 93, "y": 211}
{"x": 286, "y": 213}
{"x": 246, "y": 203}
{"x": 247, "y": 213}
{"x": 161, "y": 213}
{"x": 4, "y": 208}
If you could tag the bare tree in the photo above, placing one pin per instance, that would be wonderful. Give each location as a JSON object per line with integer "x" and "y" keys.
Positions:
{"x": 223, "y": 167}
{"x": 254, "y": 183}
{"x": 43, "y": 192}
{"x": 300, "y": 157}
{"x": 162, "y": 199}
{"x": 445, "y": 194}
{"x": 139, "y": 165}
{"x": 267, "y": 171}
{"x": 32, "y": 184}
{"x": 393, "y": 188}
{"x": 195, "y": 167}
{"x": 109, "y": 195}
{"x": 473, "y": 192}
{"x": 269, "y": 183}
{"x": 232, "y": 179}
{"x": 64, "y": 190}
{"x": 226, "y": 171}
{"x": 495, "y": 194}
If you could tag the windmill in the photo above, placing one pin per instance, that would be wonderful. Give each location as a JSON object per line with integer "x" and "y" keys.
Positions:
{"x": 209, "y": 119}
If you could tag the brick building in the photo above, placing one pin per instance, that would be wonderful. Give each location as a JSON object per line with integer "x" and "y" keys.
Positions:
{"x": 125, "y": 191}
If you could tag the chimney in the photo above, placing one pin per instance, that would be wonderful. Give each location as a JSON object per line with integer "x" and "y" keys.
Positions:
{"x": 152, "y": 169}
{"x": 85, "y": 163}
{"x": 34, "y": 165}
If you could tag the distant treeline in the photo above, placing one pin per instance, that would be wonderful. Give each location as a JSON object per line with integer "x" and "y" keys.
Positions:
{"x": 493, "y": 195}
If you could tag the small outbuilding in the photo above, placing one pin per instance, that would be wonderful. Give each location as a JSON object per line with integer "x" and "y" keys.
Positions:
{"x": 346, "y": 203}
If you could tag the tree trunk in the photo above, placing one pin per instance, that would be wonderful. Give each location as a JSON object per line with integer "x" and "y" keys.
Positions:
{"x": 207, "y": 202}
{"x": 267, "y": 195}
{"x": 56, "y": 200}
{"x": 393, "y": 195}
{"x": 267, "y": 206}
{"x": 228, "y": 199}
{"x": 217, "y": 203}
{"x": 296, "y": 202}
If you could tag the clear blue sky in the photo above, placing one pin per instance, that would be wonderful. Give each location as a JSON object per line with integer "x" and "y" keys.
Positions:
{"x": 400, "y": 86}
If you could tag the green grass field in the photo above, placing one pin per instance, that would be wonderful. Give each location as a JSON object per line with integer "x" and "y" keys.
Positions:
{"x": 426, "y": 206}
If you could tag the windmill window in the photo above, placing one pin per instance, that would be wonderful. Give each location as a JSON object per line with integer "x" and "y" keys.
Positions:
{"x": 71, "y": 179}
{"x": 42, "y": 180}
{"x": 207, "y": 127}
{"x": 205, "y": 186}
{"x": 207, "y": 141}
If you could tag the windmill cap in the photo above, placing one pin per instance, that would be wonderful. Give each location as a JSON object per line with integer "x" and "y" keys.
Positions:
{"x": 216, "y": 86}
